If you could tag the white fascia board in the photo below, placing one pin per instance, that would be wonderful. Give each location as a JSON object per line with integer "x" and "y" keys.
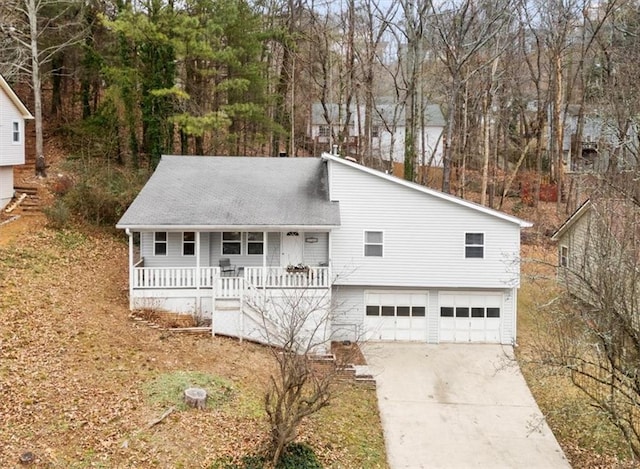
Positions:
{"x": 22, "y": 109}
{"x": 432, "y": 192}
{"x": 227, "y": 227}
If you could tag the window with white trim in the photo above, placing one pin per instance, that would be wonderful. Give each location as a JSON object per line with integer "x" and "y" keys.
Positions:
{"x": 564, "y": 256}
{"x": 160, "y": 243}
{"x": 255, "y": 243}
{"x": 373, "y": 243}
{"x": 231, "y": 243}
{"x": 16, "y": 132}
{"x": 474, "y": 245}
{"x": 375, "y": 131}
{"x": 189, "y": 243}
{"x": 324, "y": 131}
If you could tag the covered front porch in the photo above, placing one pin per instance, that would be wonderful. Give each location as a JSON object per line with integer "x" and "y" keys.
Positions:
{"x": 185, "y": 271}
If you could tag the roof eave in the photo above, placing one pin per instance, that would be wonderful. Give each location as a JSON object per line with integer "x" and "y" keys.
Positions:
{"x": 427, "y": 190}
{"x": 138, "y": 227}
{"x": 569, "y": 222}
{"x": 14, "y": 99}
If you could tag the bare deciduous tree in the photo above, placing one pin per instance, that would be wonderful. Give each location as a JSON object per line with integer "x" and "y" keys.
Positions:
{"x": 297, "y": 325}
{"x": 596, "y": 328}
{"x": 27, "y": 23}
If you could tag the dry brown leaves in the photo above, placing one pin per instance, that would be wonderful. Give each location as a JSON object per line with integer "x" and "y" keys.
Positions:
{"x": 72, "y": 364}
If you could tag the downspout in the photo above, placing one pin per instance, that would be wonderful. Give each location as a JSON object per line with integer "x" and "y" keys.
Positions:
{"x": 131, "y": 272}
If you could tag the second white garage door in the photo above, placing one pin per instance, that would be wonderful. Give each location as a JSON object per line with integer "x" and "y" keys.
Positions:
{"x": 396, "y": 315}
{"x": 470, "y": 317}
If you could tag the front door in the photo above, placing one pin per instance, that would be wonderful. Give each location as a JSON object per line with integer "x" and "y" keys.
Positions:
{"x": 292, "y": 248}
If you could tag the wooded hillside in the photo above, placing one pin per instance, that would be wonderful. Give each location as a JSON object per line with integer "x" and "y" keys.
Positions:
{"x": 535, "y": 85}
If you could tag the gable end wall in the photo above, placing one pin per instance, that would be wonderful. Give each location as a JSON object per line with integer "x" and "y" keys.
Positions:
{"x": 424, "y": 237}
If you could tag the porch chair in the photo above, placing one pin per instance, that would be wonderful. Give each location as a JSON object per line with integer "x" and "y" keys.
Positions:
{"x": 226, "y": 269}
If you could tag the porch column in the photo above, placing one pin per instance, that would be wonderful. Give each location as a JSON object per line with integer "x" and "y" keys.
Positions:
{"x": 131, "y": 272}
{"x": 329, "y": 261}
{"x": 198, "y": 296}
{"x": 265, "y": 248}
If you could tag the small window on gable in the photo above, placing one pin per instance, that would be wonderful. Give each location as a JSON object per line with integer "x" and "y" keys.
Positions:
{"x": 189, "y": 243}
{"x": 474, "y": 245}
{"x": 16, "y": 133}
{"x": 373, "y": 243}
{"x": 324, "y": 131}
{"x": 160, "y": 241}
{"x": 564, "y": 256}
{"x": 255, "y": 243}
{"x": 231, "y": 242}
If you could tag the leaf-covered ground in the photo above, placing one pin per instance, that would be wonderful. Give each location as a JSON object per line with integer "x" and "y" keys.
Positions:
{"x": 75, "y": 371}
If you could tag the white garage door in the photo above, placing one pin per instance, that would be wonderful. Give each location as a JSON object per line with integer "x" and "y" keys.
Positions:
{"x": 470, "y": 317}
{"x": 396, "y": 316}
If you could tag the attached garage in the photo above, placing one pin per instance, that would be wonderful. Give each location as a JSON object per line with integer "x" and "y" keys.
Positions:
{"x": 470, "y": 317}
{"x": 396, "y": 315}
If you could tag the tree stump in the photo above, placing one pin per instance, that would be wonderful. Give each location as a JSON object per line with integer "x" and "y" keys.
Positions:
{"x": 195, "y": 397}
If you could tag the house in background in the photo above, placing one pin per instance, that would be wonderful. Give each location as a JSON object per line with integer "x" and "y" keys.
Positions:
{"x": 600, "y": 137}
{"x": 599, "y": 246}
{"x": 387, "y": 133}
{"x": 12, "y": 138}
{"x": 393, "y": 260}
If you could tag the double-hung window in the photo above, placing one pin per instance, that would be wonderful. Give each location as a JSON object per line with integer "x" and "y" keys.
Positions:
{"x": 189, "y": 243}
{"x": 474, "y": 245}
{"x": 324, "y": 131}
{"x": 255, "y": 243}
{"x": 231, "y": 242}
{"x": 564, "y": 256}
{"x": 373, "y": 243}
{"x": 160, "y": 242}
{"x": 16, "y": 132}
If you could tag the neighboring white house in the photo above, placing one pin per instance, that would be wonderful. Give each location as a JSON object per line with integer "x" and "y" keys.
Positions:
{"x": 387, "y": 133}
{"x": 397, "y": 260}
{"x": 12, "y": 138}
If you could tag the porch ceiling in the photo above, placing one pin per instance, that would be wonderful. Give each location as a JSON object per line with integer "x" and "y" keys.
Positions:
{"x": 217, "y": 193}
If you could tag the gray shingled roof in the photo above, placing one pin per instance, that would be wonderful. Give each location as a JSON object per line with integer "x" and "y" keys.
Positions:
{"x": 205, "y": 191}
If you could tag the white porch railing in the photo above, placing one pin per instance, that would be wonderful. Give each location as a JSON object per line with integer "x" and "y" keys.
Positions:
{"x": 185, "y": 277}
{"x": 229, "y": 287}
{"x": 279, "y": 277}
{"x": 173, "y": 277}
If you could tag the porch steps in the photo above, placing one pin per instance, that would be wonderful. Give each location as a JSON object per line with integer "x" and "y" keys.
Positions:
{"x": 26, "y": 200}
{"x": 227, "y": 304}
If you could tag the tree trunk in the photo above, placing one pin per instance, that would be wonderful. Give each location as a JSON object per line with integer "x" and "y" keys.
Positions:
{"x": 195, "y": 397}
{"x": 37, "y": 88}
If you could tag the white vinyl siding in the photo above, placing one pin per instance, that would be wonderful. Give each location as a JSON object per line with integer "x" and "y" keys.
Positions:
{"x": 11, "y": 153}
{"x": 423, "y": 237}
{"x": 316, "y": 252}
{"x": 6, "y": 185}
{"x": 174, "y": 257}
{"x": 273, "y": 251}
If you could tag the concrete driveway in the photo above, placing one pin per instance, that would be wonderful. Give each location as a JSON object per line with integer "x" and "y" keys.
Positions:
{"x": 458, "y": 406}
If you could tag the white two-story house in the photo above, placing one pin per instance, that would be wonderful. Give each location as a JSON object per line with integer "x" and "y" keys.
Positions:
{"x": 388, "y": 131}
{"x": 395, "y": 260}
{"x": 12, "y": 138}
